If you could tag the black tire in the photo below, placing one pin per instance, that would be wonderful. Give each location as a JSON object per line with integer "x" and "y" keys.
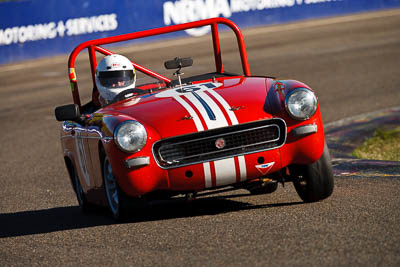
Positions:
{"x": 84, "y": 205}
{"x": 116, "y": 199}
{"x": 314, "y": 182}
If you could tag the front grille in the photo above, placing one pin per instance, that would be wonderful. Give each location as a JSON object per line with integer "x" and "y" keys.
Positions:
{"x": 220, "y": 143}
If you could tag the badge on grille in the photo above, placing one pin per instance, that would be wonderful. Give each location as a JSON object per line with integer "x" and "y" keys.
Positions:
{"x": 220, "y": 143}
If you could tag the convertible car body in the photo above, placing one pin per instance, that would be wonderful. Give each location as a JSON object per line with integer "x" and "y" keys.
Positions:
{"x": 183, "y": 136}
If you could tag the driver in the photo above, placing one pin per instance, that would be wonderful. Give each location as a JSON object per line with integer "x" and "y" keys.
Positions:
{"x": 114, "y": 74}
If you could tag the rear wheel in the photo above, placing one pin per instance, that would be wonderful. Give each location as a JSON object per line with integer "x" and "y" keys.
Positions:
{"x": 115, "y": 197}
{"x": 314, "y": 182}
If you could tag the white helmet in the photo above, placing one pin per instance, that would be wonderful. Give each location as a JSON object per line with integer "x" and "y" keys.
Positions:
{"x": 114, "y": 74}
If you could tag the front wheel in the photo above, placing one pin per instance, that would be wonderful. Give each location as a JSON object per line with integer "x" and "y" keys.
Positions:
{"x": 84, "y": 205}
{"x": 314, "y": 182}
{"x": 115, "y": 196}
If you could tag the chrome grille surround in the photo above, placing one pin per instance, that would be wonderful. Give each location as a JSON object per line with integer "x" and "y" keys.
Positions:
{"x": 240, "y": 139}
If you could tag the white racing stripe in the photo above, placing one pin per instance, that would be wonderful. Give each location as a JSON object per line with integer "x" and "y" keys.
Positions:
{"x": 225, "y": 172}
{"x": 242, "y": 167}
{"x": 207, "y": 174}
{"x": 199, "y": 127}
{"x": 192, "y": 113}
{"x": 232, "y": 117}
{"x": 226, "y": 106}
{"x": 213, "y": 116}
{"x": 219, "y": 121}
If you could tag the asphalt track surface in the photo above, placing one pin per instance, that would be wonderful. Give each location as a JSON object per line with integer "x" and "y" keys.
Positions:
{"x": 351, "y": 62}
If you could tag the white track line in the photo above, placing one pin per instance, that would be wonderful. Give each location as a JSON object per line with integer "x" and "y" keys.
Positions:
{"x": 369, "y": 115}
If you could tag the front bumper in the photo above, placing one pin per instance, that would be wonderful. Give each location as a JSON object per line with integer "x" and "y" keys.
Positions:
{"x": 140, "y": 174}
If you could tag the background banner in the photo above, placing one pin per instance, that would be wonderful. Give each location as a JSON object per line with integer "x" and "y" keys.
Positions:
{"x": 36, "y": 28}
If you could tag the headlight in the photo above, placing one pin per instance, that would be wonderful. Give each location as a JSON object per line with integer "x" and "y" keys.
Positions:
{"x": 301, "y": 103}
{"x": 130, "y": 136}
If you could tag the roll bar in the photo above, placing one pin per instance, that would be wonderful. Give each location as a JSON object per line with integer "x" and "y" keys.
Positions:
{"x": 93, "y": 46}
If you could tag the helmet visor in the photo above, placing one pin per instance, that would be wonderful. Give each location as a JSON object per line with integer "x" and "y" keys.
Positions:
{"x": 116, "y": 79}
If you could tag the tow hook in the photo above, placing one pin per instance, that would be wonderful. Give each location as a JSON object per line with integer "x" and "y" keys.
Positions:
{"x": 190, "y": 196}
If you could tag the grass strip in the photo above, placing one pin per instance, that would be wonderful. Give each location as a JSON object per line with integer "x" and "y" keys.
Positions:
{"x": 384, "y": 145}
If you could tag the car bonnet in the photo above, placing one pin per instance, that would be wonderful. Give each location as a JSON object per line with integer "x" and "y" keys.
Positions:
{"x": 199, "y": 107}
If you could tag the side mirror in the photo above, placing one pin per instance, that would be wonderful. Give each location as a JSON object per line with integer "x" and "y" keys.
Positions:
{"x": 68, "y": 113}
{"x": 178, "y": 63}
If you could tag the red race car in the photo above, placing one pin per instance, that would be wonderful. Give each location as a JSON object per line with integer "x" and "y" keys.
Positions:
{"x": 178, "y": 137}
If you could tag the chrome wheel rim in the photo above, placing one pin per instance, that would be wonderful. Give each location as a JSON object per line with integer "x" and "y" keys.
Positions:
{"x": 110, "y": 185}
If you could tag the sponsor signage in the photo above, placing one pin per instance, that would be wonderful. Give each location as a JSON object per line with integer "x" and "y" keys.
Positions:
{"x": 36, "y": 28}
